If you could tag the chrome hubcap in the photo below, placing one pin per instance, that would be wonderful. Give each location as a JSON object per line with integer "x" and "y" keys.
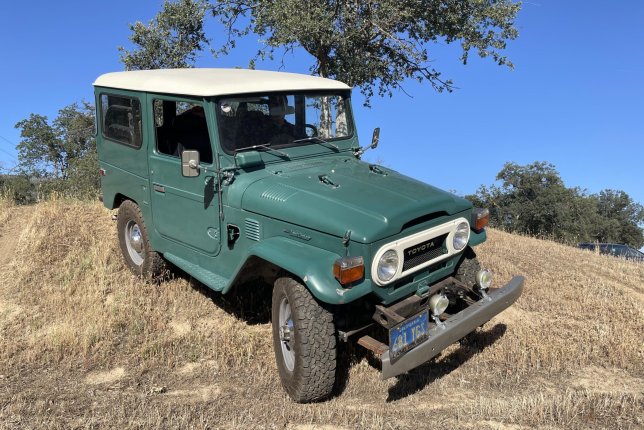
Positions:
{"x": 134, "y": 242}
{"x": 286, "y": 334}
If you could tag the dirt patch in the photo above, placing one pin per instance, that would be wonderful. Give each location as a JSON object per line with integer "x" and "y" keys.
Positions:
{"x": 501, "y": 426}
{"x": 201, "y": 394}
{"x": 314, "y": 427}
{"x": 514, "y": 315}
{"x": 106, "y": 377}
{"x": 180, "y": 328}
{"x": 599, "y": 380}
{"x": 193, "y": 367}
{"x": 9, "y": 310}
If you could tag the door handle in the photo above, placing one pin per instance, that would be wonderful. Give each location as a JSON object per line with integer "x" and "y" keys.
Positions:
{"x": 159, "y": 188}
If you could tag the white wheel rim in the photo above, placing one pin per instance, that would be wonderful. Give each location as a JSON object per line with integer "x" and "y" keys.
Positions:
{"x": 287, "y": 334}
{"x": 134, "y": 243}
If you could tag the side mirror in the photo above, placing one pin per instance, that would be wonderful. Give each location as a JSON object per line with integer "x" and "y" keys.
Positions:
{"x": 190, "y": 163}
{"x": 375, "y": 138}
{"x": 374, "y": 143}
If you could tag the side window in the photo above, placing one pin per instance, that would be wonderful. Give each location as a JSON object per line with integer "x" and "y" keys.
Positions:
{"x": 121, "y": 119}
{"x": 180, "y": 126}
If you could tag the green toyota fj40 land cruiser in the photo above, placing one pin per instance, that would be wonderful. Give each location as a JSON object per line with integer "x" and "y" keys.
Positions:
{"x": 239, "y": 176}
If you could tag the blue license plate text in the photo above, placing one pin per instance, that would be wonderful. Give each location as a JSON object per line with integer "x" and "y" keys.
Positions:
{"x": 407, "y": 335}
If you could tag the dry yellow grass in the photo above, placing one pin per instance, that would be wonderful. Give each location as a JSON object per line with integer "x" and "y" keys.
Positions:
{"x": 5, "y": 207}
{"x": 83, "y": 344}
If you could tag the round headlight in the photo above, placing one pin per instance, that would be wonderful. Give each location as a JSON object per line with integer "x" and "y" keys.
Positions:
{"x": 438, "y": 303}
{"x": 484, "y": 279}
{"x": 461, "y": 235}
{"x": 388, "y": 265}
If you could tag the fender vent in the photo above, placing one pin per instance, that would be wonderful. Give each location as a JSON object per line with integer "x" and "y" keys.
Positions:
{"x": 251, "y": 228}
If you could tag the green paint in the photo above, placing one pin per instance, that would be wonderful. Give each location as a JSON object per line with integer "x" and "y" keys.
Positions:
{"x": 292, "y": 206}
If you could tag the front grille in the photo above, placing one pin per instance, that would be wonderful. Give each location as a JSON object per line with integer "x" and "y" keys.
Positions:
{"x": 424, "y": 252}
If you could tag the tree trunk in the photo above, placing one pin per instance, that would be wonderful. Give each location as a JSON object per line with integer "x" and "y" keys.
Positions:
{"x": 325, "y": 108}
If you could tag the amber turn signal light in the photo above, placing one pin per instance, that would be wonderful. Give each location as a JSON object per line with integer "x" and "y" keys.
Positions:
{"x": 480, "y": 219}
{"x": 348, "y": 269}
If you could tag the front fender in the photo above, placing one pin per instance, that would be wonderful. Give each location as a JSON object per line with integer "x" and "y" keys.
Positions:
{"x": 314, "y": 266}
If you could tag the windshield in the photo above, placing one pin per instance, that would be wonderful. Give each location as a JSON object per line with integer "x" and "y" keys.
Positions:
{"x": 282, "y": 120}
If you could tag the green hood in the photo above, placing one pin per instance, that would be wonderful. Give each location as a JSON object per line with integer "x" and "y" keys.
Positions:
{"x": 336, "y": 196}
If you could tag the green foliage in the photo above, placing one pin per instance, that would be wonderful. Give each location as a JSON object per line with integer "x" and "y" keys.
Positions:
{"x": 60, "y": 156}
{"x": 171, "y": 40}
{"x": 533, "y": 200}
{"x": 371, "y": 45}
{"x": 18, "y": 188}
{"x": 624, "y": 216}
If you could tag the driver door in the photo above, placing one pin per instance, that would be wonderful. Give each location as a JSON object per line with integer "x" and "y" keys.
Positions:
{"x": 185, "y": 209}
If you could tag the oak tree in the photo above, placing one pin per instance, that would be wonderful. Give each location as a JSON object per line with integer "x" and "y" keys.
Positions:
{"x": 372, "y": 45}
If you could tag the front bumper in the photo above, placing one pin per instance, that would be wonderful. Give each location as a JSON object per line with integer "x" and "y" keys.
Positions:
{"x": 455, "y": 328}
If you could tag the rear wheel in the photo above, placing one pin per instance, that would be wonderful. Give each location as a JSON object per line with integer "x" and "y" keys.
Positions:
{"x": 139, "y": 256}
{"x": 304, "y": 341}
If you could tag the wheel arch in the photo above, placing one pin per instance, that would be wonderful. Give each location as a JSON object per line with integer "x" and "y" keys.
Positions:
{"x": 118, "y": 200}
{"x": 312, "y": 266}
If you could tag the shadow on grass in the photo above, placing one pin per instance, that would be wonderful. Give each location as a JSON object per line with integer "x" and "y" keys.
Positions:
{"x": 249, "y": 302}
{"x": 422, "y": 376}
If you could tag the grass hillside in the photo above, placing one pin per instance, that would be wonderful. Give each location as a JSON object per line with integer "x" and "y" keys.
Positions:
{"x": 83, "y": 344}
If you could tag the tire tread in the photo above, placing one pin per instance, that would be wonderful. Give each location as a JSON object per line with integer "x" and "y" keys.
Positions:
{"x": 315, "y": 364}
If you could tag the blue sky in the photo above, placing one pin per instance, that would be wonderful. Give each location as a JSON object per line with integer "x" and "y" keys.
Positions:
{"x": 575, "y": 98}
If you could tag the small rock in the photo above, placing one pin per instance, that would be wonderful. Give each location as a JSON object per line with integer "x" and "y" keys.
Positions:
{"x": 157, "y": 390}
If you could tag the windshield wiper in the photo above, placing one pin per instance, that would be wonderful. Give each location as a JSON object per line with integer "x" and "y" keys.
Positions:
{"x": 318, "y": 140}
{"x": 263, "y": 147}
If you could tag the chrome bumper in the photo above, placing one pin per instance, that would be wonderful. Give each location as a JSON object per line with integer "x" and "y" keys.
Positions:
{"x": 455, "y": 328}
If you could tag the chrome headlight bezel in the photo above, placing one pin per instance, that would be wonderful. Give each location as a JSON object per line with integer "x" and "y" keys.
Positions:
{"x": 461, "y": 236}
{"x": 388, "y": 265}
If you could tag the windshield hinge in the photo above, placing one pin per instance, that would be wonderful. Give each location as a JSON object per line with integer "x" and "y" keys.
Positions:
{"x": 327, "y": 181}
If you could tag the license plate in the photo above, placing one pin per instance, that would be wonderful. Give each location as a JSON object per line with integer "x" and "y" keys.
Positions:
{"x": 407, "y": 335}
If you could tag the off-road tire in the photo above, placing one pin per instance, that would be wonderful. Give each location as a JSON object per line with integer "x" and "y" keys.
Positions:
{"x": 152, "y": 266}
{"x": 467, "y": 270}
{"x": 313, "y": 343}
{"x": 466, "y": 273}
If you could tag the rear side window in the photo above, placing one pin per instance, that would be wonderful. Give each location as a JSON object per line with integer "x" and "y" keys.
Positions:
{"x": 121, "y": 119}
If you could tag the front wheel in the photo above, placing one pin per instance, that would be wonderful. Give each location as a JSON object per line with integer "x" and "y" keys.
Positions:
{"x": 304, "y": 341}
{"x": 139, "y": 256}
{"x": 467, "y": 270}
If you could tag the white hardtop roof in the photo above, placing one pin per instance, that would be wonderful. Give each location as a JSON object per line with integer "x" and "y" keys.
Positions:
{"x": 214, "y": 82}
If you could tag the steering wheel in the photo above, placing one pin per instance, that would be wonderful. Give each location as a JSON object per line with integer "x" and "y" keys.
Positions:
{"x": 311, "y": 130}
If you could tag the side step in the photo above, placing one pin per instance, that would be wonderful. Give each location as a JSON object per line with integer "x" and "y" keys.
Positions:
{"x": 206, "y": 277}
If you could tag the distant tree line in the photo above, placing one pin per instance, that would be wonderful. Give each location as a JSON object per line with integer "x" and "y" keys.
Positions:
{"x": 55, "y": 156}
{"x": 533, "y": 200}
